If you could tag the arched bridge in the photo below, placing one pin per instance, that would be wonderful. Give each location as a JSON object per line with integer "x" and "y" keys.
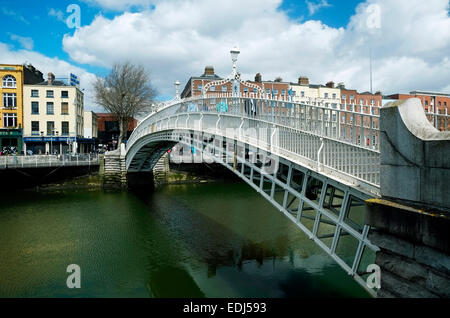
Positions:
{"x": 315, "y": 163}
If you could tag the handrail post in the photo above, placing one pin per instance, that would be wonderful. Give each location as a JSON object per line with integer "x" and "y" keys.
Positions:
{"x": 318, "y": 155}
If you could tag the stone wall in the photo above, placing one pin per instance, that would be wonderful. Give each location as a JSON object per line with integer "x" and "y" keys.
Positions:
{"x": 411, "y": 222}
{"x": 414, "y": 250}
{"x": 115, "y": 172}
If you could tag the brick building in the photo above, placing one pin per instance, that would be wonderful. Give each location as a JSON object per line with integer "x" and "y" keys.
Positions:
{"x": 366, "y": 103}
{"x": 108, "y": 130}
{"x": 433, "y": 103}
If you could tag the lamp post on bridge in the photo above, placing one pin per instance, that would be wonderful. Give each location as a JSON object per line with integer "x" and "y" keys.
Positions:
{"x": 177, "y": 87}
{"x": 234, "y": 56}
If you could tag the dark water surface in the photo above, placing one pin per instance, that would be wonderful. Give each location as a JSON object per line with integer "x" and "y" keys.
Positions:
{"x": 209, "y": 240}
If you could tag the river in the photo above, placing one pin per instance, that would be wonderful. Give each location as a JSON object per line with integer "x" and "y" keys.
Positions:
{"x": 205, "y": 240}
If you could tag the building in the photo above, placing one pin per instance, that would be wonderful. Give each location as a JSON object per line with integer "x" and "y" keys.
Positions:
{"x": 90, "y": 121}
{"x": 53, "y": 118}
{"x": 366, "y": 103}
{"x": 195, "y": 85}
{"x": 13, "y": 78}
{"x": 108, "y": 130}
{"x": 434, "y": 104}
{"x": 303, "y": 91}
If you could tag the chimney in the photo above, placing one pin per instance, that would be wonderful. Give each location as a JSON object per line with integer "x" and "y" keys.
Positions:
{"x": 278, "y": 80}
{"x": 209, "y": 71}
{"x": 341, "y": 85}
{"x": 330, "y": 84}
{"x": 303, "y": 80}
{"x": 51, "y": 78}
{"x": 258, "y": 78}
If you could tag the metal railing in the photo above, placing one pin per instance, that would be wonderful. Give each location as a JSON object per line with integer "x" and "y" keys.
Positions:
{"x": 43, "y": 161}
{"x": 440, "y": 121}
{"x": 347, "y": 139}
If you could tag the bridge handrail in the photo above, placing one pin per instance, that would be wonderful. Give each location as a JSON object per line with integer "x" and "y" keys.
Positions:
{"x": 34, "y": 161}
{"x": 335, "y": 113}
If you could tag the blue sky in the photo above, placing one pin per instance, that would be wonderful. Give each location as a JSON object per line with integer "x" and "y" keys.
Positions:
{"x": 322, "y": 39}
{"x": 39, "y": 21}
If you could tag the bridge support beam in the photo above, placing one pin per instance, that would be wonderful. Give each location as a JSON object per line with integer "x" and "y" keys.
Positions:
{"x": 412, "y": 220}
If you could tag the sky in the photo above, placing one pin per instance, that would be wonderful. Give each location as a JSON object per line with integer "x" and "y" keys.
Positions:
{"x": 326, "y": 40}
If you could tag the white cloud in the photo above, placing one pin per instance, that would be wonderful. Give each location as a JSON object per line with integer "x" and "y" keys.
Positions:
{"x": 16, "y": 15}
{"x": 314, "y": 7}
{"x": 58, "y": 14}
{"x": 45, "y": 64}
{"x": 177, "y": 39}
{"x": 25, "y": 42}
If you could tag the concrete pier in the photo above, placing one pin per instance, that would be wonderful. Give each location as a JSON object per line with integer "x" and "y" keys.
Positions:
{"x": 411, "y": 223}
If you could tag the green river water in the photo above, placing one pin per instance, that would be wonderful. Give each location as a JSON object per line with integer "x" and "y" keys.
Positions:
{"x": 206, "y": 240}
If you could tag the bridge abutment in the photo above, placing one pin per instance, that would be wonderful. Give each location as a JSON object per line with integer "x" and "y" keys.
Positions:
{"x": 115, "y": 174}
{"x": 410, "y": 224}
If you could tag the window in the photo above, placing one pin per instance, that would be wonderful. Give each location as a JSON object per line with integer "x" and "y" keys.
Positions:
{"x": 326, "y": 95}
{"x": 212, "y": 88}
{"x": 199, "y": 87}
{"x": 302, "y": 94}
{"x": 34, "y": 108}
{"x": 50, "y": 108}
{"x": 275, "y": 91}
{"x": 35, "y": 128}
{"x": 224, "y": 88}
{"x": 361, "y": 101}
{"x": 255, "y": 90}
{"x": 50, "y": 128}
{"x": 445, "y": 103}
{"x": 439, "y": 103}
{"x": 34, "y": 93}
{"x": 334, "y": 105}
{"x": 352, "y": 97}
{"x": 283, "y": 92}
{"x": 9, "y": 81}
{"x": 10, "y": 120}
{"x": 426, "y": 103}
{"x": 372, "y": 102}
{"x": 50, "y": 94}
{"x": 268, "y": 91}
{"x": 64, "y": 108}
{"x": 334, "y": 96}
{"x": 64, "y": 94}
{"x": 9, "y": 100}
{"x": 245, "y": 90}
{"x": 64, "y": 128}
{"x": 344, "y": 96}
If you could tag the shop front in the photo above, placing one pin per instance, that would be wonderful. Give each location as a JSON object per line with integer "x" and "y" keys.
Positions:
{"x": 58, "y": 145}
{"x": 50, "y": 145}
{"x": 11, "y": 141}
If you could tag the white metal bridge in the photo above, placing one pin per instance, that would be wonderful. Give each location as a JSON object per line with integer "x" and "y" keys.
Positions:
{"x": 315, "y": 161}
{"x": 315, "y": 164}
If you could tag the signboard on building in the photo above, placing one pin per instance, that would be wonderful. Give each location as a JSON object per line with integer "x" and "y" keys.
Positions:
{"x": 73, "y": 80}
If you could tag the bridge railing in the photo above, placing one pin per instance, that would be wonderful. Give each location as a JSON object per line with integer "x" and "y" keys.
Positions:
{"x": 42, "y": 161}
{"x": 307, "y": 134}
{"x": 357, "y": 124}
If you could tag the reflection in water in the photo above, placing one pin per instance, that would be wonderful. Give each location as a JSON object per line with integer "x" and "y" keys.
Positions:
{"x": 214, "y": 240}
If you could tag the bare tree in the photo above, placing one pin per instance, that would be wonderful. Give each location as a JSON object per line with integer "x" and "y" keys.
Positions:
{"x": 124, "y": 92}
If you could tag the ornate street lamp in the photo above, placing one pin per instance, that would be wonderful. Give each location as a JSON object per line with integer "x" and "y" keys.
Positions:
{"x": 177, "y": 86}
{"x": 234, "y": 56}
